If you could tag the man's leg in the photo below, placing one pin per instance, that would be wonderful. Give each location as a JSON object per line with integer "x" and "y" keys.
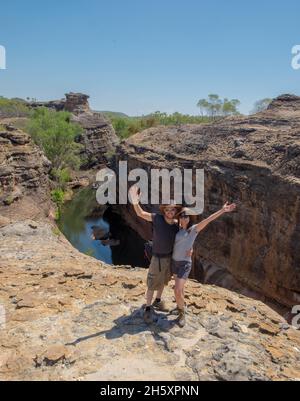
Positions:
{"x": 159, "y": 293}
{"x": 149, "y": 297}
{"x": 165, "y": 277}
{"x": 148, "y": 311}
{"x": 151, "y": 286}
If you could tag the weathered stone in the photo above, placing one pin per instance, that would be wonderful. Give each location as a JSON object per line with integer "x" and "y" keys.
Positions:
{"x": 270, "y": 329}
{"x": 53, "y": 355}
{"x": 23, "y": 173}
{"x": 55, "y": 319}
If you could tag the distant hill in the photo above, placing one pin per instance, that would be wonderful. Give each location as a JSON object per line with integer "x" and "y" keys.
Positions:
{"x": 114, "y": 114}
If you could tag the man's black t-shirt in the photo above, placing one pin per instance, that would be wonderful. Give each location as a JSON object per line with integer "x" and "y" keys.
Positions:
{"x": 163, "y": 235}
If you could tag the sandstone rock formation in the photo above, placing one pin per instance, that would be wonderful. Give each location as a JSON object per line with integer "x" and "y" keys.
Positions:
{"x": 254, "y": 161}
{"x": 24, "y": 172}
{"x": 70, "y": 317}
{"x": 77, "y": 103}
{"x": 99, "y": 138}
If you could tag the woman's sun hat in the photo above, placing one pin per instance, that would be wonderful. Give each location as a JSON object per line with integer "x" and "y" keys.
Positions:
{"x": 186, "y": 211}
{"x": 172, "y": 204}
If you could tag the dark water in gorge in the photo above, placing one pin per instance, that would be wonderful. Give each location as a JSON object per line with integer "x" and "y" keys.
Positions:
{"x": 116, "y": 243}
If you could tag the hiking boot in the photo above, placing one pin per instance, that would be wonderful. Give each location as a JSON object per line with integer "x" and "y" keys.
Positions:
{"x": 175, "y": 311}
{"x": 160, "y": 306}
{"x": 149, "y": 315}
{"x": 181, "y": 318}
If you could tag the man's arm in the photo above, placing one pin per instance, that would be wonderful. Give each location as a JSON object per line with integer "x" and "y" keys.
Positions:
{"x": 225, "y": 209}
{"x": 135, "y": 199}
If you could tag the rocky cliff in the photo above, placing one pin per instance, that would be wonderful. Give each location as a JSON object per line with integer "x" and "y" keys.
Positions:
{"x": 24, "y": 169}
{"x": 254, "y": 161}
{"x": 70, "y": 317}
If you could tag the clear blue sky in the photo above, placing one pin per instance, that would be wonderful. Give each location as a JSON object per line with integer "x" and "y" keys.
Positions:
{"x": 139, "y": 56}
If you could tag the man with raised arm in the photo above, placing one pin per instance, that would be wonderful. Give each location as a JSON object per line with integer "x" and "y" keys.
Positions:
{"x": 165, "y": 228}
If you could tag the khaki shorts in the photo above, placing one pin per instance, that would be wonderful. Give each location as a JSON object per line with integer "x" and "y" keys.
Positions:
{"x": 159, "y": 273}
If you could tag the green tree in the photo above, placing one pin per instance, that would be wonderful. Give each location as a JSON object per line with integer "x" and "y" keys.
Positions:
{"x": 203, "y": 105}
{"x": 214, "y": 106}
{"x": 261, "y": 105}
{"x": 55, "y": 134}
{"x": 230, "y": 107}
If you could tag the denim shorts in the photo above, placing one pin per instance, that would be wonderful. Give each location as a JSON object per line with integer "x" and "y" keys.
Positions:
{"x": 181, "y": 269}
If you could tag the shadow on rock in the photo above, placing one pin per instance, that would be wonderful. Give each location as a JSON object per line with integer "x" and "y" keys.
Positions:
{"x": 133, "y": 324}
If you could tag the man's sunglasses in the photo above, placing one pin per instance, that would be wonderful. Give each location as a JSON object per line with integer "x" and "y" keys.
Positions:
{"x": 170, "y": 209}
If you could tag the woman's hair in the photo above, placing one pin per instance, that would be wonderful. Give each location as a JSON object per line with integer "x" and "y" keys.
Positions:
{"x": 192, "y": 216}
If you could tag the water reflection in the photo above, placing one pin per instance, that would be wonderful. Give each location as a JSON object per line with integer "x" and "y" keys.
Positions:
{"x": 97, "y": 231}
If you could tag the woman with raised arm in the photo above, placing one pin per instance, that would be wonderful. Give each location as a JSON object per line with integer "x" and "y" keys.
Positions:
{"x": 181, "y": 261}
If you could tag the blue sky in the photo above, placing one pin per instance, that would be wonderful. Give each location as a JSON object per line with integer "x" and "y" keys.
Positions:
{"x": 139, "y": 56}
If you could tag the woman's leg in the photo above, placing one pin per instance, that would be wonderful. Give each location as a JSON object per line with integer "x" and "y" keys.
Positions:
{"x": 179, "y": 292}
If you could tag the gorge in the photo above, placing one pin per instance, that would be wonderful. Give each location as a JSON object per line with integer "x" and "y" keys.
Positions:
{"x": 72, "y": 317}
{"x": 255, "y": 162}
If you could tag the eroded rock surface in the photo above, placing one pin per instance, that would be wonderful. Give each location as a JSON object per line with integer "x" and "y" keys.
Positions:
{"x": 70, "y": 317}
{"x": 254, "y": 161}
{"x": 24, "y": 183}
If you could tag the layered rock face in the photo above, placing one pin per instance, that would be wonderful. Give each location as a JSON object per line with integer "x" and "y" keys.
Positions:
{"x": 67, "y": 316}
{"x": 255, "y": 162}
{"x": 99, "y": 138}
{"x": 24, "y": 172}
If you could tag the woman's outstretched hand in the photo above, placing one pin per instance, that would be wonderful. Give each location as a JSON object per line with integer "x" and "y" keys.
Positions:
{"x": 227, "y": 208}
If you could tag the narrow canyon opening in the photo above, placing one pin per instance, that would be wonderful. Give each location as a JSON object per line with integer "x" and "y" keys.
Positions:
{"x": 100, "y": 231}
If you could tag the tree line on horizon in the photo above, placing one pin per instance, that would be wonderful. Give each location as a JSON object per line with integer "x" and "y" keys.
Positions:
{"x": 211, "y": 108}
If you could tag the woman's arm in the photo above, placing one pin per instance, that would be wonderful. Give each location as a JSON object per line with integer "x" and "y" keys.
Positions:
{"x": 225, "y": 209}
{"x": 135, "y": 199}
